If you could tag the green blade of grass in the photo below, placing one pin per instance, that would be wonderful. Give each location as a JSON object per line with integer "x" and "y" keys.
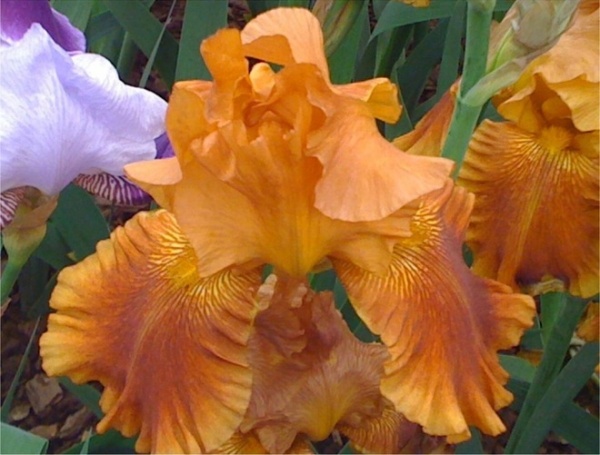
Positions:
{"x": 201, "y": 20}
{"x": 85, "y": 393}
{"x": 10, "y": 395}
{"x": 152, "y": 56}
{"x": 563, "y": 389}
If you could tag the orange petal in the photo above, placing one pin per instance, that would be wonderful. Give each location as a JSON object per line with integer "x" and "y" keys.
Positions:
{"x": 157, "y": 177}
{"x": 442, "y": 324}
{"x": 380, "y": 96}
{"x": 574, "y": 81}
{"x": 333, "y": 380}
{"x": 364, "y": 176}
{"x": 249, "y": 443}
{"x": 169, "y": 347}
{"x": 529, "y": 189}
{"x": 429, "y": 135}
{"x": 284, "y": 36}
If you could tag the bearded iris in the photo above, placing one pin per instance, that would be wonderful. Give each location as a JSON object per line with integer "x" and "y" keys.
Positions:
{"x": 285, "y": 168}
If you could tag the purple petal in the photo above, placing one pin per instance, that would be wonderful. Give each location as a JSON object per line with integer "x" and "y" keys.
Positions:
{"x": 17, "y": 16}
{"x": 164, "y": 149}
{"x": 9, "y": 201}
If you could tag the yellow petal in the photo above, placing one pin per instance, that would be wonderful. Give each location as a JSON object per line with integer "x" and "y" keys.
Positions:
{"x": 536, "y": 210}
{"x": 169, "y": 347}
{"x": 442, "y": 324}
{"x": 429, "y": 135}
{"x": 333, "y": 379}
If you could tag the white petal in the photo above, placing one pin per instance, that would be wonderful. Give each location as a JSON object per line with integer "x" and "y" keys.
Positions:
{"x": 63, "y": 116}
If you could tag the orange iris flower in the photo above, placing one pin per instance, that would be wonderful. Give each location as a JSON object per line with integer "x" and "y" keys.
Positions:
{"x": 536, "y": 176}
{"x": 283, "y": 167}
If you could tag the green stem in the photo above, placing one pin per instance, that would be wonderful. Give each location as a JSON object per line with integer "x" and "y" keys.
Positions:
{"x": 464, "y": 119}
{"x": 551, "y": 364}
{"x": 9, "y": 277}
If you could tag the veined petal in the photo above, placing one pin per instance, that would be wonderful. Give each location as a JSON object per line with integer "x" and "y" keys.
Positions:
{"x": 9, "y": 201}
{"x": 63, "y": 116}
{"x": 333, "y": 380}
{"x": 429, "y": 135}
{"x": 441, "y": 323}
{"x": 169, "y": 347}
{"x": 16, "y": 16}
{"x": 536, "y": 212}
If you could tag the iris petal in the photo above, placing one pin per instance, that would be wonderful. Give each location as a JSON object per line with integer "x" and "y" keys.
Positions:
{"x": 536, "y": 211}
{"x": 63, "y": 116}
{"x": 169, "y": 347}
{"x": 442, "y": 324}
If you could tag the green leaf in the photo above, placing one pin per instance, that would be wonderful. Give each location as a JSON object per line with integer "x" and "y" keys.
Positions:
{"x": 32, "y": 282}
{"x": 453, "y": 48}
{"x": 201, "y": 20}
{"x": 343, "y": 60}
{"x": 152, "y": 56}
{"x": 396, "y": 14}
{"x": 109, "y": 442}
{"x": 517, "y": 367}
{"x": 579, "y": 427}
{"x": 413, "y": 74}
{"x": 41, "y": 306}
{"x": 85, "y": 393}
{"x": 553, "y": 304}
{"x": 78, "y": 12}
{"x": 323, "y": 281}
{"x": 15, "y": 440}
{"x": 570, "y": 380}
{"x": 550, "y": 366}
{"x": 79, "y": 221}
{"x": 5, "y": 409}
{"x": 145, "y": 31}
{"x": 53, "y": 249}
{"x": 260, "y": 6}
{"x": 100, "y": 26}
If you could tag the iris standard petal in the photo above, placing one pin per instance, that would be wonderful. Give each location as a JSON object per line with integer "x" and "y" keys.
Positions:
{"x": 442, "y": 324}
{"x": 16, "y": 16}
{"x": 536, "y": 212}
{"x": 169, "y": 347}
{"x": 63, "y": 116}
{"x": 574, "y": 81}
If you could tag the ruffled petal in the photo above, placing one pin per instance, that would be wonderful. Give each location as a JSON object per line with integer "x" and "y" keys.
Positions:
{"x": 16, "y": 16}
{"x": 536, "y": 210}
{"x": 574, "y": 81}
{"x": 429, "y": 135}
{"x": 312, "y": 374}
{"x": 169, "y": 347}
{"x": 441, "y": 323}
{"x": 284, "y": 36}
{"x": 63, "y": 116}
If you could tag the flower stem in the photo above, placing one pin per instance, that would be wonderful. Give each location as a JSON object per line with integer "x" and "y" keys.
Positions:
{"x": 9, "y": 277}
{"x": 464, "y": 119}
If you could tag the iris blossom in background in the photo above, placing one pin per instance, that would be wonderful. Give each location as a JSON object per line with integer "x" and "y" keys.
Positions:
{"x": 536, "y": 176}
{"x": 285, "y": 168}
{"x": 65, "y": 112}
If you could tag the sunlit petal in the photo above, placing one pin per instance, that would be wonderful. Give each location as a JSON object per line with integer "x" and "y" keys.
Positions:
{"x": 441, "y": 323}
{"x": 536, "y": 212}
{"x": 63, "y": 116}
{"x": 169, "y": 347}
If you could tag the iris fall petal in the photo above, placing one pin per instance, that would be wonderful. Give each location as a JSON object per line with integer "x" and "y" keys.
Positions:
{"x": 169, "y": 347}
{"x": 536, "y": 212}
{"x": 441, "y": 323}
